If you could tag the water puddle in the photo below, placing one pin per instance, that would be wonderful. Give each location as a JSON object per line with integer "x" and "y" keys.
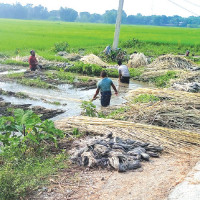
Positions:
{"x": 70, "y": 98}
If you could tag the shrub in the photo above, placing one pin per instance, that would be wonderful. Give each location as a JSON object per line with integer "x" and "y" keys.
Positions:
{"x": 89, "y": 109}
{"x": 61, "y": 46}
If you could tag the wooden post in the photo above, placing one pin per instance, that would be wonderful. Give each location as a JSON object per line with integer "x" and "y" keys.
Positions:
{"x": 118, "y": 23}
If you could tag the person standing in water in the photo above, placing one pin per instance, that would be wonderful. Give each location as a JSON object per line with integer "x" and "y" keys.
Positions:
{"x": 104, "y": 86}
{"x": 124, "y": 75}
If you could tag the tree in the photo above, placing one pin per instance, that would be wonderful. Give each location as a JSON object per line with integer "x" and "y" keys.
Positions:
{"x": 68, "y": 14}
{"x": 109, "y": 17}
{"x": 84, "y": 17}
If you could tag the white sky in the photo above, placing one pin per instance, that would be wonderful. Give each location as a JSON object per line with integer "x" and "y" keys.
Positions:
{"x": 131, "y": 7}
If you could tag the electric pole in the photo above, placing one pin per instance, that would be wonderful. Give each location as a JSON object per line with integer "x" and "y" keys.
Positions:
{"x": 118, "y": 23}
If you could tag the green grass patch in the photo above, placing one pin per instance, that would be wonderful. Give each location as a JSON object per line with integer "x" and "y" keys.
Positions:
{"x": 26, "y": 156}
{"x": 19, "y": 36}
{"x": 14, "y": 62}
{"x": 146, "y": 98}
{"x": 25, "y": 174}
{"x": 118, "y": 113}
{"x": 15, "y": 75}
{"x": 35, "y": 83}
{"x": 163, "y": 80}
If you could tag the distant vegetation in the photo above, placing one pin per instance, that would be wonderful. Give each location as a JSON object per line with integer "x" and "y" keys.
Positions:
{"x": 17, "y": 11}
{"x": 19, "y": 36}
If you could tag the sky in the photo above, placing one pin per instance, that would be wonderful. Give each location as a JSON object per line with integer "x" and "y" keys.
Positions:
{"x": 184, "y": 8}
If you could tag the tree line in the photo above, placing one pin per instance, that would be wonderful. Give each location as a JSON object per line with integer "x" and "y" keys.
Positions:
{"x": 30, "y": 12}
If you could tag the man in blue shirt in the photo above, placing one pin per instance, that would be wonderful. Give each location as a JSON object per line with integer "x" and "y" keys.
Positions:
{"x": 104, "y": 86}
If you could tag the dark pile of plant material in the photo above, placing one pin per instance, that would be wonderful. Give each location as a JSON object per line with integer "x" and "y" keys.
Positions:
{"x": 114, "y": 153}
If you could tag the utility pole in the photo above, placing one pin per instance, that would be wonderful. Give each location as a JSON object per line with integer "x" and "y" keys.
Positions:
{"x": 118, "y": 23}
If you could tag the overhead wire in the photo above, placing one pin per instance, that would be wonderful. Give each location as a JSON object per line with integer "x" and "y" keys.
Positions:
{"x": 183, "y": 7}
{"x": 194, "y": 4}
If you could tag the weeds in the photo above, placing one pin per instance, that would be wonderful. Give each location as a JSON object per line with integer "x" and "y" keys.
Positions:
{"x": 14, "y": 62}
{"x": 26, "y": 161}
{"x": 89, "y": 109}
{"x": 61, "y": 46}
{"x": 36, "y": 83}
{"x": 163, "y": 80}
{"x": 146, "y": 98}
{"x": 15, "y": 75}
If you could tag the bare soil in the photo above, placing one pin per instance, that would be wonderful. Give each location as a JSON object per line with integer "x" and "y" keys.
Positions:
{"x": 152, "y": 182}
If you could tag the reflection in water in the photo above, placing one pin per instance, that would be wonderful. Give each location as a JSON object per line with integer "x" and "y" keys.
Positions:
{"x": 69, "y": 97}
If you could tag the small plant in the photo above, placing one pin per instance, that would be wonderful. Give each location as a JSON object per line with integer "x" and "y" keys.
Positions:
{"x": 14, "y": 62}
{"x": 89, "y": 109}
{"x": 61, "y": 46}
{"x": 15, "y": 75}
{"x": 145, "y": 98}
{"x": 163, "y": 80}
{"x": 25, "y": 159}
{"x": 36, "y": 83}
{"x": 21, "y": 95}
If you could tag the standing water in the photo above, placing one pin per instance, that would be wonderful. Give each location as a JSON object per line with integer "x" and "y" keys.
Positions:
{"x": 70, "y": 98}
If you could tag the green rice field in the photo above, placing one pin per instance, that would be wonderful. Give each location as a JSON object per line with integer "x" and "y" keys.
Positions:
{"x": 19, "y": 36}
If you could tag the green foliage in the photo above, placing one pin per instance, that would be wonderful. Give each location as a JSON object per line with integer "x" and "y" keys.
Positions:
{"x": 61, "y": 46}
{"x": 25, "y": 162}
{"x": 89, "y": 108}
{"x": 93, "y": 37}
{"x": 15, "y": 75}
{"x": 136, "y": 72}
{"x": 26, "y": 126}
{"x": 86, "y": 69}
{"x": 66, "y": 76}
{"x": 21, "y": 95}
{"x": 163, "y": 80}
{"x": 145, "y": 98}
{"x": 116, "y": 114}
{"x": 21, "y": 175}
{"x": 36, "y": 83}
{"x": 14, "y": 62}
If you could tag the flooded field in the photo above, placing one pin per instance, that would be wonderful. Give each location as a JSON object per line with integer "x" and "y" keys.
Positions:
{"x": 69, "y": 98}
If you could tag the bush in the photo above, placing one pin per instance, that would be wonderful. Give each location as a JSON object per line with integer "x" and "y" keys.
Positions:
{"x": 25, "y": 161}
{"x": 61, "y": 46}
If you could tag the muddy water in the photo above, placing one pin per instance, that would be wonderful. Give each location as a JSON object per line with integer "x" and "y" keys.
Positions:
{"x": 69, "y": 97}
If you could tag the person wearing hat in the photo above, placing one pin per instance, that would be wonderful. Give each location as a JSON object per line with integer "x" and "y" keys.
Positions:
{"x": 32, "y": 61}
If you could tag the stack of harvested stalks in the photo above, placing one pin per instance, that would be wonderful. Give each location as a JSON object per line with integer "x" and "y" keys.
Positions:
{"x": 173, "y": 141}
{"x": 176, "y": 109}
{"x": 171, "y": 62}
{"x": 93, "y": 59}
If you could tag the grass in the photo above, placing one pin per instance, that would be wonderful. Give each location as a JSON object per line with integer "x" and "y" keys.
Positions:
{"x": 14, "y": 62}
{"x": 145, "y": 98}
{"x": 19, "y": 36}
{"x": 15, "y": 75}
{"x": 35, "y": 83}
{"x": 163, "y": 80}
{"x": 21, "y": 176}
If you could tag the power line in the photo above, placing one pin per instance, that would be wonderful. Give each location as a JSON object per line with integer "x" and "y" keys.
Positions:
{"x": 194, "y": 4}
{"x": 183, "y": 7}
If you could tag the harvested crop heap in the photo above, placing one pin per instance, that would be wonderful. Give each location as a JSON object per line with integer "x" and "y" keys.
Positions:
{"x": 175, "y": 109}
{"x": 114, "y": 152}
{"x": 171, "y": 62}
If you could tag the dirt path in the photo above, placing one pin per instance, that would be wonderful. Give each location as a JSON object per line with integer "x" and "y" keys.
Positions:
{"x": 152, "y": 182}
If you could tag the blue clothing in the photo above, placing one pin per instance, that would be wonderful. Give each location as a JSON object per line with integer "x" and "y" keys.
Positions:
{"x": 105, "y": 84}
{"x": 105, "y": 98}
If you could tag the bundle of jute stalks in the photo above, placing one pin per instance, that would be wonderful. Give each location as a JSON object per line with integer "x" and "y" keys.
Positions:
{"x": 172, "y": 140}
